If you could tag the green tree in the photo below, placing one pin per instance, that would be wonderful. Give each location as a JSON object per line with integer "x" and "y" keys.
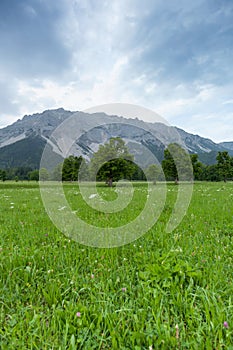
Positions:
{"x": 169, "y": 166}
{"x": 154, "y": 172}
{"x": 83, "y": 171}
{"x": 197, "y": 167}
{"x": 20, "y": 172}
{"x": 71, "y": 167}
{"x": 3, "y": 175}
{"x": 112, "y": 162}
{"x": 33, "y": 175}
{"x": 210, "y": 173}
{"x": 138, "y": 174}
{"x": 177, "y": 160}
{"x": 224, "y": 165}
{"x": 57, "y": 173}
{"x": 43, "y": 174}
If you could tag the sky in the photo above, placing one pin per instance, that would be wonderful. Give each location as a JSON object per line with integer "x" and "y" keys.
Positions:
{"x": 174, "y": 57}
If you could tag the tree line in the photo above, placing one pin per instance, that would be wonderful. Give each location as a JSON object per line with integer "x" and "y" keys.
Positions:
{"x": 113, "y": 162}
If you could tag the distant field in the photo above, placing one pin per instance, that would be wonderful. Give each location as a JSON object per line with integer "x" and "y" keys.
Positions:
{"x": 163, "y": 291}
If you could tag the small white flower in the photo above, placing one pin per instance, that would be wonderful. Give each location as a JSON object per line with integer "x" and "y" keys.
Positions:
{"x": 93, "y": 195}
{"x": 62, "y": 208}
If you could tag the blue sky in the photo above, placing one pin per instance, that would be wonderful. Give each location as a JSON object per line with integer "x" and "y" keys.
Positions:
{"x": 174, "y": 57}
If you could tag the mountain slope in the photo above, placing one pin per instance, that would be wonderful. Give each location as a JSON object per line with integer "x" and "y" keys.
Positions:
{"x": 22, "y": 143}
{"x": 41, "y": 124}
{"x": 206, "y": 149}
{"x": 227, "y": 145}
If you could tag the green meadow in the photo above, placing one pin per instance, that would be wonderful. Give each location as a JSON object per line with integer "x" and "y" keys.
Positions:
{"x": 162, "y": 291}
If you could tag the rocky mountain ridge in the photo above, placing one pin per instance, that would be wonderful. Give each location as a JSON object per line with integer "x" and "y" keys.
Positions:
{"x": 22, "y": 143}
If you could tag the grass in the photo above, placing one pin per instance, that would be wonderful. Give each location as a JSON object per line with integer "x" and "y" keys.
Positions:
{"x": 163, "y": 291}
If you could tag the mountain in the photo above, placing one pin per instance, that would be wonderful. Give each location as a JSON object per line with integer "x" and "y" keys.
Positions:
{"x": 206, "y": 149}
{"x": 22, "y": 143}
{"x": 227, "y": 145}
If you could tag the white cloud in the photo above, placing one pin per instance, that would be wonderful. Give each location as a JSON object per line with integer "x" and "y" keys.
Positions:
{"x": 167, "y": 58}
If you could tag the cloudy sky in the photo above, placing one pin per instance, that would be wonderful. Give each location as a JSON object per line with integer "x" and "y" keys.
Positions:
{"x": 174, "y": 57}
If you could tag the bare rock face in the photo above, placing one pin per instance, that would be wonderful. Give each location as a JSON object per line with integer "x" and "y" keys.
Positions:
{"x": 41, "y": 124}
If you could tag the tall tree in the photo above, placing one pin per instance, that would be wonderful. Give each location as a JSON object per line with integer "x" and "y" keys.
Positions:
{"x": 43, "y": 174}
{"x": 224, "y": 165}
{"x": 112, "y": 162}
{"x": 197, "y": 167}
{"x": 210, "y": 173}
{"x": 177, "y": 163}
{"x": 138, "y": 173}
{"x": 169, "y": 166}
{"x": 57, "y": 173}
{"x": 33, "y": 175}
{"x": 83, "y": 171}
{"x": 70, "y": 168}
{"x": 3, "y": 175}
{"x": 154, "y": 172}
